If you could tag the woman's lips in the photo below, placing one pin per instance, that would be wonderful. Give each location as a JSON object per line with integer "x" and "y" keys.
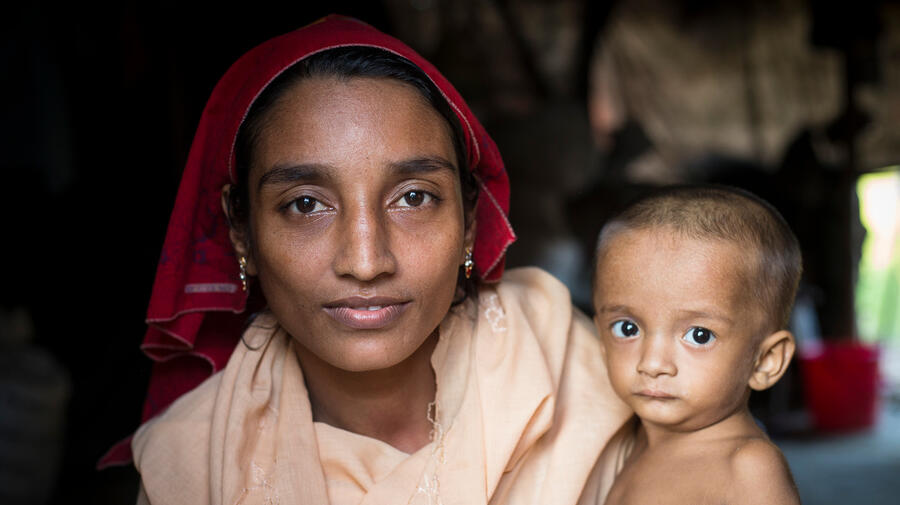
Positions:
{"x": 366, "y": 313}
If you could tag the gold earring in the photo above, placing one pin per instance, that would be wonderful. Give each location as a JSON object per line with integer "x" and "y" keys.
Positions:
{"x": 468, "y": 264}
{"x": 242, "y": 262}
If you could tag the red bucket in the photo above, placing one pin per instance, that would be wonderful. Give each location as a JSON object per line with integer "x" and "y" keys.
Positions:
{"x": 841, "y": 384}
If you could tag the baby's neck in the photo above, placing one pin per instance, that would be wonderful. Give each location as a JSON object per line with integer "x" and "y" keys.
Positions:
{"x": 738, "y": 423}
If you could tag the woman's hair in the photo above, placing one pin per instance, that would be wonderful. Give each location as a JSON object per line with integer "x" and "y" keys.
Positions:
{"x": 346, "y": 63}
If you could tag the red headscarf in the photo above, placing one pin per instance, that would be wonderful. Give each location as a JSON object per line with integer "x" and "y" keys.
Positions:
{"x": 195, "y": 317}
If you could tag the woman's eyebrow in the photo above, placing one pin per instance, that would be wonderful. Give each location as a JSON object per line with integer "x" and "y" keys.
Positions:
{"x": 285, "y": 174}
{"x": 419, "y": 165}
{"x": 310, "y": 172}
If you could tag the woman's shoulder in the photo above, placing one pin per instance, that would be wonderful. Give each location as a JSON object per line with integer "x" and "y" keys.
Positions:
{"x": 192, "y": 411}
{"x": 178, "y": 437}
{"x": 532, "y": 285}
{"x": 531, "y": 305}
{"x": 539, "y": 301}
{"x": 538, "y": 307}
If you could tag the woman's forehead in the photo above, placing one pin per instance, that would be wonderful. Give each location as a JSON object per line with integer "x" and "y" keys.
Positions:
{"x": 332, "y": 122}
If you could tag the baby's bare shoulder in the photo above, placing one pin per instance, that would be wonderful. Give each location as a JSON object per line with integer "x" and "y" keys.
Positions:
{"x": 760, "y": 474}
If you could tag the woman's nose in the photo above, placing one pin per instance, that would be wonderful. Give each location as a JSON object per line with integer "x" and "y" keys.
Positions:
{"x": 363, "y": 251}
{"x": 656, "y": 357}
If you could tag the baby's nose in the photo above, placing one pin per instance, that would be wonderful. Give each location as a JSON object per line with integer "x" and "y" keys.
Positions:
{"x": 656, "y": 357}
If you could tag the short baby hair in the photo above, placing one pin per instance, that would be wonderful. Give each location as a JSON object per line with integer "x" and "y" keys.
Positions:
{"x": 730, "y": 214}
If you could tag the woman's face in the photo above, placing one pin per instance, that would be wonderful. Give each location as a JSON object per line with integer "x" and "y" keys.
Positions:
{"x": 356, "y": 221}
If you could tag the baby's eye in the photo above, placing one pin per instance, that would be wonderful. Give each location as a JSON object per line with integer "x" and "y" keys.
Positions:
{"x": 699, "y": 336}
{"x": 305, "y": 205}
{"x": 625, "y": 329}
{"x": 415, "y": 198}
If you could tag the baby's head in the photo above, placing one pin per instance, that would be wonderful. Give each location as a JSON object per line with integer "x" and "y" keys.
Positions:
{"x": 693, "y": 287}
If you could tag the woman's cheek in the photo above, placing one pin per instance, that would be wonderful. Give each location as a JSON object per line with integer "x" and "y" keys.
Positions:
{"x": 440, "y": 223}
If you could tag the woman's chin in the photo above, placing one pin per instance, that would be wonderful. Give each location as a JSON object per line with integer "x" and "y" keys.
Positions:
{"x": 362, "y": 355}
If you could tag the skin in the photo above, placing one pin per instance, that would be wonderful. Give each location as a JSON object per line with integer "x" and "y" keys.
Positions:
{"x": 355, "y": 202}
{"x": 685, "y": 343}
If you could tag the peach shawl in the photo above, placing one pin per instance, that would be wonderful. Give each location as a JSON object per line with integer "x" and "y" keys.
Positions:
{"x": 523, "y": 411}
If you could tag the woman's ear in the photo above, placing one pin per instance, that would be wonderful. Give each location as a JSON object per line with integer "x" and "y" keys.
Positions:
{"x": 469, "y": 238}
{"x": 236, "y": 233}
{"x": 775, "y": 353}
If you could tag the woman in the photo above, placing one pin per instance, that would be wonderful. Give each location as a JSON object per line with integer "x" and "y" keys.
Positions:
{"x": 344, "y": 176}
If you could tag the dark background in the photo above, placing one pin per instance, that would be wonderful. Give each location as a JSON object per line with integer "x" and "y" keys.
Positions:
{"x": 99, "y": 112}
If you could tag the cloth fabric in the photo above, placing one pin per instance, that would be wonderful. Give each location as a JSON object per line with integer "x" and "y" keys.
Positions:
{"x": 523, "y": 410}
{"x": 194, "y": 317}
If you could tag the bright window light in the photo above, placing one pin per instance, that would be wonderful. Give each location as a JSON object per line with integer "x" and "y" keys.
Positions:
{"x": 878, "y": 286}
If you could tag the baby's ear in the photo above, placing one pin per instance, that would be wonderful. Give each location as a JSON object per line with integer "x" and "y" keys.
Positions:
{"x": 775, "y": 353}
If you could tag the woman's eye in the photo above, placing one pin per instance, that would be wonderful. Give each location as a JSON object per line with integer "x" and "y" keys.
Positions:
{"x": 414, "y": 198}
{"x": 306, "y": 204}
{"x": 699, "y": 336}
{"x": 625, "y": 329}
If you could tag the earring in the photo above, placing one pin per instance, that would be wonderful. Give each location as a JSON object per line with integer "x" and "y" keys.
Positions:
{"x": 242, "y": 262}
{"x": 468, "y": 264}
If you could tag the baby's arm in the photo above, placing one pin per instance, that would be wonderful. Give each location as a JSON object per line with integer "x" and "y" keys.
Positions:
{"x": 761, "y": 475}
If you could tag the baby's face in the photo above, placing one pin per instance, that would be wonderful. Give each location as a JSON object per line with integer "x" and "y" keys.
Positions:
{"x": 677, "y": 324}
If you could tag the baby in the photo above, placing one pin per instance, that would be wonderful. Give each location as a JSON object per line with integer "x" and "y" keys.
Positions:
{"x": 693, "y": 288}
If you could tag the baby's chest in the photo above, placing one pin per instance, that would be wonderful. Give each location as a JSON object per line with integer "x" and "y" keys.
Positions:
{"x": 669, "y": 483}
